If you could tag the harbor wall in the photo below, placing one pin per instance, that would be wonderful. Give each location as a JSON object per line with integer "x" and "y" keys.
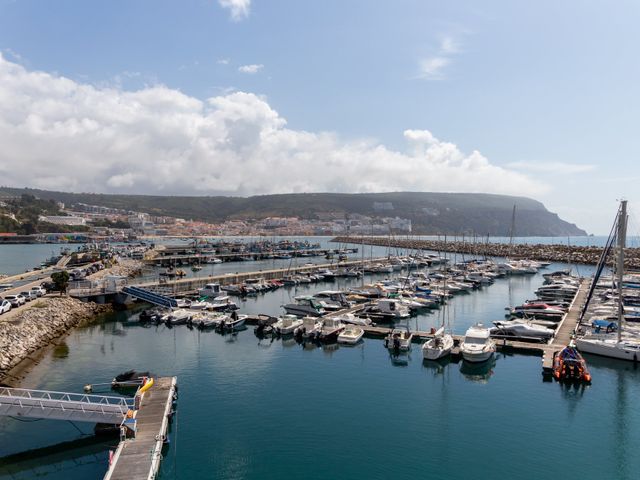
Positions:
{"x": 589, "y": 255}
{"x": 39, "y": 325}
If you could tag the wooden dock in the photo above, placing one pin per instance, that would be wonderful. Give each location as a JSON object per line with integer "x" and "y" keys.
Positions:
{"x": 139, "y": 457}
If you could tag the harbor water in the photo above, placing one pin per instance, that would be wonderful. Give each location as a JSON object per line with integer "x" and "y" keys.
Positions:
{"x": 251, "y": 408}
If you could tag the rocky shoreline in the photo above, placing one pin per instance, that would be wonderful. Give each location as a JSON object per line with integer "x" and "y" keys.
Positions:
{"x": 553, "y": 253}
{"x": 40, "y": 325}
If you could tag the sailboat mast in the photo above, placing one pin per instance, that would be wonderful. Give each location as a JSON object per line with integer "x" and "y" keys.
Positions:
{"x": 512, "y": 230}
{"x": 622, "y": 236}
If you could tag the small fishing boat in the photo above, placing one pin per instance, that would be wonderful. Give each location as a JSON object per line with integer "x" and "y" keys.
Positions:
{"x": 286, "y": 325}
{"x": 399, "y": 339}
{"x": 351, "y": 335}
{"x": 569, "y": 366}
{"x": 330, "y": 329}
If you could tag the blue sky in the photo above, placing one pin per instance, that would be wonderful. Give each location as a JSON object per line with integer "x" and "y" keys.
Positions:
{"x": 546, "y": 92}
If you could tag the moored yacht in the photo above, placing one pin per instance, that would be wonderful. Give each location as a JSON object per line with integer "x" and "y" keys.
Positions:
{"x": 477, "y": 345}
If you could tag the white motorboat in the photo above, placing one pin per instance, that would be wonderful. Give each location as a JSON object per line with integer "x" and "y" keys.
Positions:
{"x": 399, "y": 339}
{"x": 521, "y": 330}
{"x": 351, "y": 335}
{"x": 437, "y": 347}
{"x": 211, "y": 290}
{"x": 477, "y": 345}
{"x": 234, "y": 322}
{"x": 330, "y": 329}
{"x": 309, "y": 328}
{"x": 351, "y": 319}
{"x": 286, "y": 325}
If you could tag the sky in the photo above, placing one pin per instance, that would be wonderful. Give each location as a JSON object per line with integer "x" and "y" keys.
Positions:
{"x": 243, "y": 97}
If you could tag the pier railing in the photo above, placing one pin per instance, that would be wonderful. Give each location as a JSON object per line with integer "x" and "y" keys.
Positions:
{"x": 20, "y": 402}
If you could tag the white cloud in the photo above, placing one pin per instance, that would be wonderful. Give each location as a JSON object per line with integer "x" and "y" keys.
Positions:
{"x": 223, "y": 61}
{"x": 552, "y": 167}
{"x": 432, "y": 67}
{"x": 239, "y": 9}
{"x": 250, "y": 69}
{"x": 57, "y": 133}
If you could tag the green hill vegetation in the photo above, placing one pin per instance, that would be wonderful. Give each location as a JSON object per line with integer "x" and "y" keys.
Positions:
{"x": 430, "y": 213}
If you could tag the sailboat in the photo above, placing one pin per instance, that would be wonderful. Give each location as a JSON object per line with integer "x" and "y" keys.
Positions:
{"x": 613, "y": 345}
{"x": 442, "y": 342}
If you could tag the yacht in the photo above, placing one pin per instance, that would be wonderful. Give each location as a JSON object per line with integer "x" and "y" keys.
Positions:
{"x": 307, "y": 307}
{"x": 477, "y": 345}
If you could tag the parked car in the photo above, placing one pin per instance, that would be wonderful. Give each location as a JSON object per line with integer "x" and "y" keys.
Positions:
{"x": 49, "y": 286}
{"x": 28, "y": 296}
{"x": 39, "y": 291}
{"x": 5, "y": 306}
{"x": 15, "y": 300}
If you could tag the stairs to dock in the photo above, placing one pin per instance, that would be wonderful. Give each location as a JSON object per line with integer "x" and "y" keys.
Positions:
{"x": 151, "y": 297}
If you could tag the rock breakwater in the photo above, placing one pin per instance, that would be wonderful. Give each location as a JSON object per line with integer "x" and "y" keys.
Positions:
{"x": 39, "y": 325}
{"x": 553, "y": 253}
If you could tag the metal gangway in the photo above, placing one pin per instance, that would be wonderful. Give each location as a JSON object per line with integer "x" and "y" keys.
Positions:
{"x": 150, "y": 297}
{"x": 77, "y": 407}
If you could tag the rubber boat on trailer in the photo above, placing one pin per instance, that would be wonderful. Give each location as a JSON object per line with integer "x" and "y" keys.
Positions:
{"x": 569, "y": 366}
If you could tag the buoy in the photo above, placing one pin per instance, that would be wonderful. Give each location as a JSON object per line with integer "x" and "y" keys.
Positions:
{"x": 88, "y": 388}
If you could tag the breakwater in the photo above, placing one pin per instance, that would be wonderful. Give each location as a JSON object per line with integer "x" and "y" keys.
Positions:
{"x": 588, "y": 255}
{"x": 39, "y": 325}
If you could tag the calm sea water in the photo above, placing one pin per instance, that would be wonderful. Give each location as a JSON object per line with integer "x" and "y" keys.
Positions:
{"x": 251, "y": 408}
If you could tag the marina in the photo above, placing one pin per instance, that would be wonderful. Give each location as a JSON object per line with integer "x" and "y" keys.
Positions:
{"x": 188, "y": 347}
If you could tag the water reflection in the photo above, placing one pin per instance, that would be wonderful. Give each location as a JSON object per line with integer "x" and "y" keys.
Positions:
{"x": 399, "y": 359}
{"x": 478, "y": 372}
{"x": 438, "y": 367}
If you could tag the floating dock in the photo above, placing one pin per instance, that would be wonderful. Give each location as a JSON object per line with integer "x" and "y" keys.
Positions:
{"x": 139, "y": 457}
{"x": 566, "y": 328}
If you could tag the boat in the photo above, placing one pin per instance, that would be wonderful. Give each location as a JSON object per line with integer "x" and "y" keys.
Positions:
{"x": 569, "y": 366}
{"x": 308, "y": 329}
{"x": 351, "y": 335}
{"x": 234, "y": 322}
{"x": 441, "y": 344}
{"x": 477, "y": 345}
{"x": 330, "y": 329}
{"x": 286, "y": 325}
{"x": 307, "y": 307}
{"x": 614, "y": 344}
{"x": 351, "y": 319}
{"x": 399, "y": 339}
{"x": 211, "y": 290}
{"x": 437, "y": 347}
{"x": 521, "y": 330}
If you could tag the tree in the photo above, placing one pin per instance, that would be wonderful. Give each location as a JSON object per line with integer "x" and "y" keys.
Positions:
{"x": 61, "y": 280}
